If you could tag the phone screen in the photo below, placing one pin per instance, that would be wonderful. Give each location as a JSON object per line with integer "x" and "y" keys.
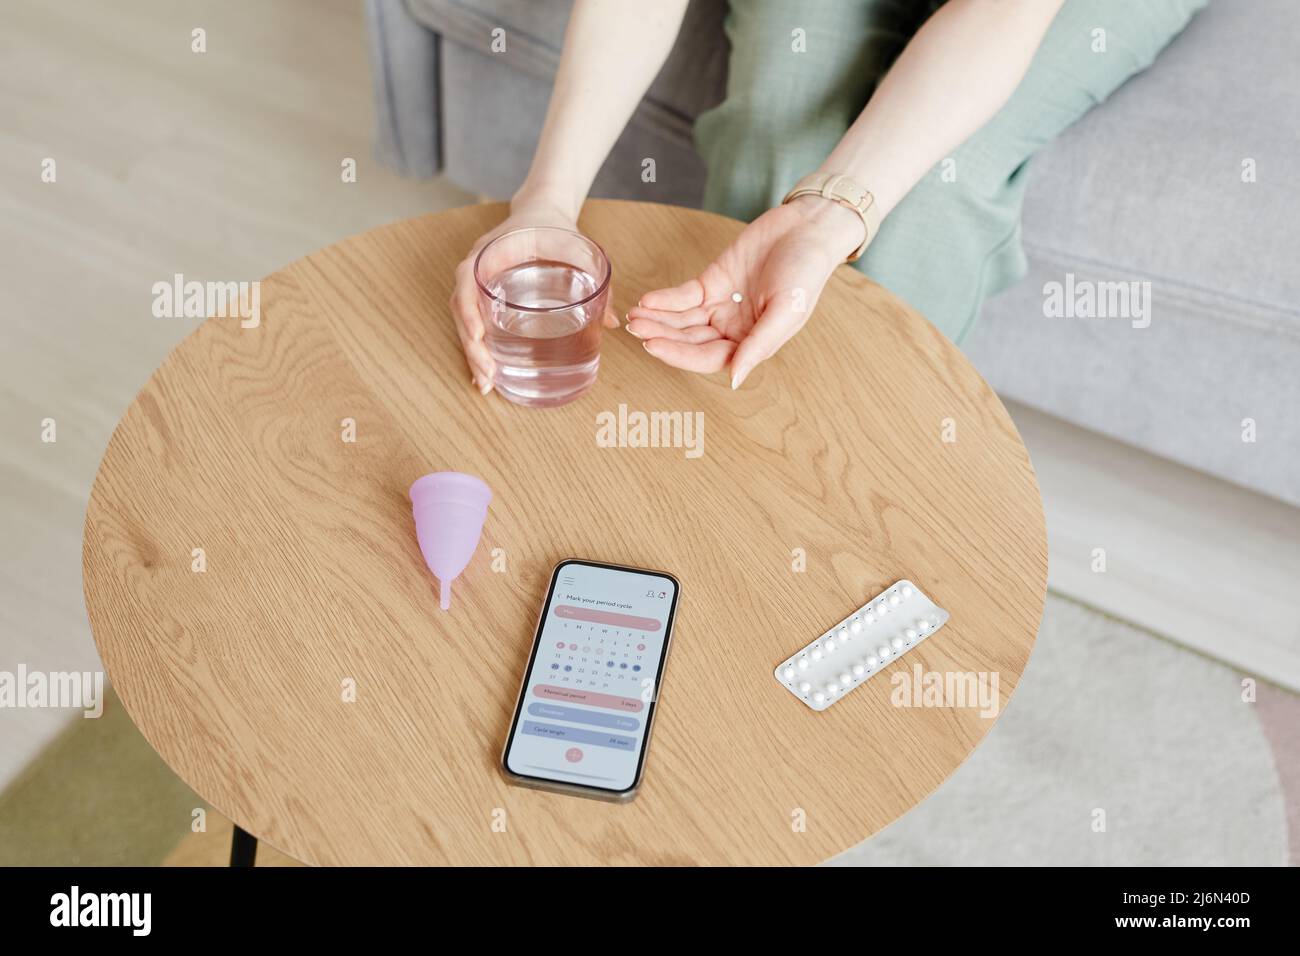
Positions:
{"x": 588, "y": 697}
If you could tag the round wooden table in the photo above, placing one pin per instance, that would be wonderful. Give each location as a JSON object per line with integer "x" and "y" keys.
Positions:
{"x": 298, "y": 673}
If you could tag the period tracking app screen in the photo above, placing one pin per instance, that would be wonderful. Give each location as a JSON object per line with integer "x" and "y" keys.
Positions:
{"x": 593, "y": 677}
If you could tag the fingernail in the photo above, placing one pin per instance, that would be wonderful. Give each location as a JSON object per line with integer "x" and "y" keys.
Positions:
{"x": 632, "y": 330}
{"x": 484, "y": 386}
{"x": 737, "y": 377}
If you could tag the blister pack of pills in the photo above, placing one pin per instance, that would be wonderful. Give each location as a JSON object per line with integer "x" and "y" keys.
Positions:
{"x": 859, "y": 647}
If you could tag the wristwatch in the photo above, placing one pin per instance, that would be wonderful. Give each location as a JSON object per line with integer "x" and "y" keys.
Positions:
{"x": 846, "y": 192}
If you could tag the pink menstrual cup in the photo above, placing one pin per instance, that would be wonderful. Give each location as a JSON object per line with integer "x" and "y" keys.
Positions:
{"x": 449, "y": 510}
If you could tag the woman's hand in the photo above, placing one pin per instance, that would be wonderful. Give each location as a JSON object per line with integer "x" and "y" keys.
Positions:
{"x": 524, "y": 212}
{"x": 778, "y": 264}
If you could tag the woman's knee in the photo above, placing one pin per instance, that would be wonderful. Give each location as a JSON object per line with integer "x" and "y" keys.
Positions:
{"x": 950, "y": 243}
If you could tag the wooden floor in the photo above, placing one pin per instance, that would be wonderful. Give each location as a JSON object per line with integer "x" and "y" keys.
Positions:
{"x": 221, "y": 165}
{"x": 1200, "y": 561}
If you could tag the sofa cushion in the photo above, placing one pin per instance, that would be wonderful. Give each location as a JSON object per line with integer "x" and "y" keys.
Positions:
{"x": 1149, "y": 188}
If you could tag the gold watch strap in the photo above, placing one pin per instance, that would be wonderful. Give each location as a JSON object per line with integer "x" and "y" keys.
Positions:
{"x": 841, "y": 189}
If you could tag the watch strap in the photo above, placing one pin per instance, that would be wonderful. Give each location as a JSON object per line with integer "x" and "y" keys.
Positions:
{"x": 843, "y": 190}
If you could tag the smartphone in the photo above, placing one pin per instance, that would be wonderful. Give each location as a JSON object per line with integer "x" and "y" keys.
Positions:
{"x": 589, "y": 694}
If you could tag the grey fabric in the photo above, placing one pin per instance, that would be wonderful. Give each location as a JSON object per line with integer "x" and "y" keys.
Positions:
{"x": 487, "y": 155}
{"x": 494, "y": 102}
{"x": 692, "y": 79}
{"x": 1147, "y": 187}
{"x": 404, "y": 71}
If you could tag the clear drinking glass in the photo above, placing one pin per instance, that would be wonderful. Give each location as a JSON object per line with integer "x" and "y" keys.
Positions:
{"x": 542, "y": 294}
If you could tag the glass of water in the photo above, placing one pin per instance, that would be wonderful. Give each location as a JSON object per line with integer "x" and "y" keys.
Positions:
{"x": 543, "y": 293}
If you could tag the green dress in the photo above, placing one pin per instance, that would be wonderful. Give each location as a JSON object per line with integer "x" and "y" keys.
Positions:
{"x": 800, "y": 73}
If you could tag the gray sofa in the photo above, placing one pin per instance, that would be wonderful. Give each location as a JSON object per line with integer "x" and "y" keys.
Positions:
{"x": 1148, "y": 187}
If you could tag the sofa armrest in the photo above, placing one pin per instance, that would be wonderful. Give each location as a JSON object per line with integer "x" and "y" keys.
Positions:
{"x": 404, "y": 75}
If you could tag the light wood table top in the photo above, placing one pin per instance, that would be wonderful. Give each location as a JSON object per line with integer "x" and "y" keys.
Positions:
{"x": 834, "y": 450}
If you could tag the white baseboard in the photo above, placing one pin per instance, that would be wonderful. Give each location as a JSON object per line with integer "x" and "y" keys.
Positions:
{"x": 1195, "y": 559}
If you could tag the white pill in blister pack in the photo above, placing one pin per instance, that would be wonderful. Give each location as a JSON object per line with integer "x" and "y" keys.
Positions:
{"x": 858, "y": 647}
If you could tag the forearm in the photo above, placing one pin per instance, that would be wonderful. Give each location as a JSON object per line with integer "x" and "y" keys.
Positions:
{"x": 957, "y": 71}
{"x": 611, "y": 54}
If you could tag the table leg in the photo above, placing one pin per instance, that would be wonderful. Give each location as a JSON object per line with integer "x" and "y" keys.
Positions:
{"x": 243, "y": 847}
